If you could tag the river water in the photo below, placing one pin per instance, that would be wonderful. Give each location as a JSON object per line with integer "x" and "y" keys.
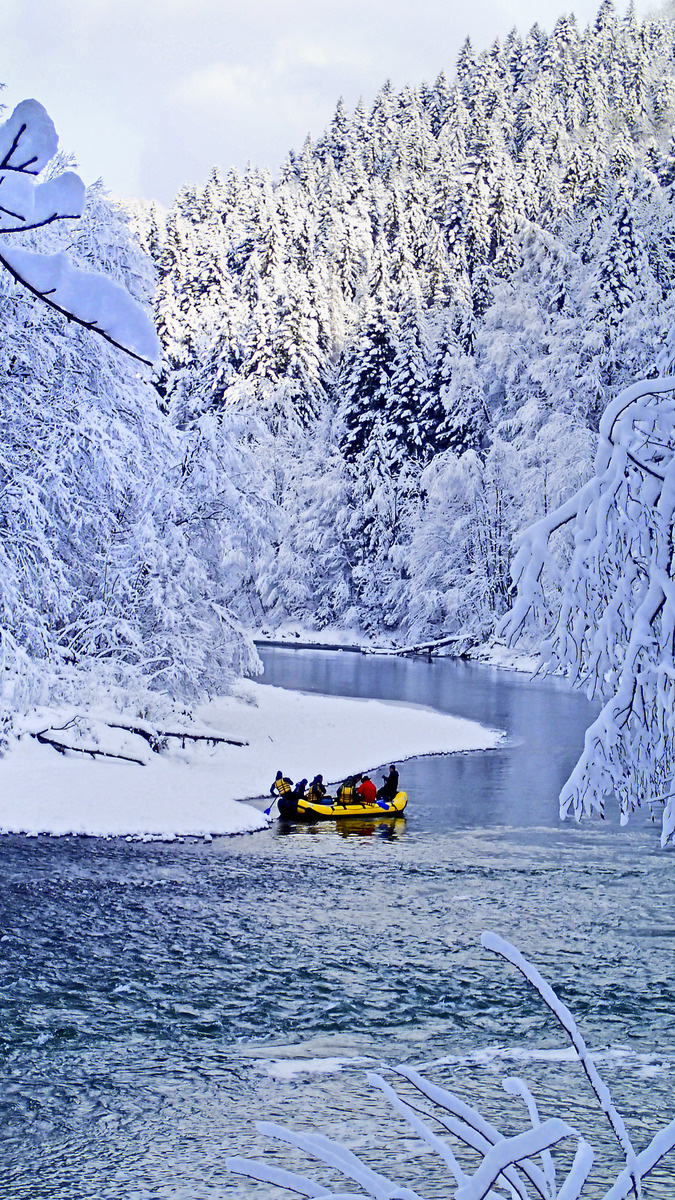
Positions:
{"x": 159, "y": 998}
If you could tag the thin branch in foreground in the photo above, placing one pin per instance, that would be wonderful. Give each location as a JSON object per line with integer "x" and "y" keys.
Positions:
{"x": 92, "y": 326}
{"x": 507, "y": 1161}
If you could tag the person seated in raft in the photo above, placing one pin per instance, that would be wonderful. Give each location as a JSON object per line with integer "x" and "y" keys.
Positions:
{"x": 288, "y": 808}
{"x": 282, "y": 786}
{"x": 346, "y": 792}
{"x": 298, "y": 792}
{"x": 390, "y": 786}
{"x": 316, "y": 790}
{"x": 367, "y": 790}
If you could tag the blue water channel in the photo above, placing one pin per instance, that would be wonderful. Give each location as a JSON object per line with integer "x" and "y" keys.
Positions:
{"x": 157, "y": 999}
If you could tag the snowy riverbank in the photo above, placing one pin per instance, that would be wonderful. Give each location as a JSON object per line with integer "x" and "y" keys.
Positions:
{"x": 198, "y": 792}
{"x": 491, "y": 653}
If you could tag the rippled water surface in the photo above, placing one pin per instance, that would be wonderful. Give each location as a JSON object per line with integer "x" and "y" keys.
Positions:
{"x": 157, "y": 998}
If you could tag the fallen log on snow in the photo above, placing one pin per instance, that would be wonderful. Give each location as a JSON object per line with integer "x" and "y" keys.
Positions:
{"x": 155, "y": 738}
{"x": 418, "y": 648}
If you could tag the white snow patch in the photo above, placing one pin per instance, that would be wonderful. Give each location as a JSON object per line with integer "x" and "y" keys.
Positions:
{"x": 610, "y": 1056}
{"x": 286, "y": 1068}
{"x": 496, "y": 654}
{"x": 196, "y": 792}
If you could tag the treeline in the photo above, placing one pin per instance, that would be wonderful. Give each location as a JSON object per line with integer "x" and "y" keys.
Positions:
{"x": 416, "y": 325}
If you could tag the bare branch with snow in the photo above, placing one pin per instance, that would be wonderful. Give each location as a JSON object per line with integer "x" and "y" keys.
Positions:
{"x": 28, "y": 143}
{"x": 508, "y": 1163}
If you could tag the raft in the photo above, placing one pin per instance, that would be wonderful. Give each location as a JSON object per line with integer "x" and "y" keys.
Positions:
{"x": 334, "y": 810}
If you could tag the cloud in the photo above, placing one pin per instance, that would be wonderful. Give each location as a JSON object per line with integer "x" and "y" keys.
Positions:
{"x": 291, "y": 63}
{"x": 218, "y": 84}
{"x": 168, "y": 88}
{"x": 234, "y": 112}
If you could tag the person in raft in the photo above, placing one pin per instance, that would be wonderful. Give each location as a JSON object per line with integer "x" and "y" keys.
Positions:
{"x": 316, "y": 790}
{"x": 298, "y": 792}
{"x": 366, "y": 790}
{"x": 390, "y": 786}
{"x": 346, "y": 792}
{"x": 282, "y": 789}
{"x": 282, "y": 786}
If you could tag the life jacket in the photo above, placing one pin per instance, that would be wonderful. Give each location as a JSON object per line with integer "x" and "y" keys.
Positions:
{"x": 316, "y": 793}
{"x": 346, "y": 793}
{"x": 283, "y": 786}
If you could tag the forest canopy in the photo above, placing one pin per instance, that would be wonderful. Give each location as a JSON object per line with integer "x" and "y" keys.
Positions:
{"x": 424, "y": 316}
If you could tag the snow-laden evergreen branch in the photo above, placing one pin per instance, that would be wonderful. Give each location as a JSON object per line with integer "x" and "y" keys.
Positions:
{"x": 507, "y": 1162}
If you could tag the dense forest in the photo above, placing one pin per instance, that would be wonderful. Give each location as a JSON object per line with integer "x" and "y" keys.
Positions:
{"x": 111, "y": 579}
{"x": 411, "y": 333}
{"x": 377, "y": 367}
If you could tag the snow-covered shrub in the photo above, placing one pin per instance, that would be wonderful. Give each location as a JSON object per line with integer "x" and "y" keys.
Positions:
{"x": 613, "y": 631}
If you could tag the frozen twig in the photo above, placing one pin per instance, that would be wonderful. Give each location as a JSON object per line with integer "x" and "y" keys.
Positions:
{"x": 498, "y": 945}
{"x": 506, "y": 1161}
{"x": 518, "y": 1087}
{"x": 466, "y": 1124}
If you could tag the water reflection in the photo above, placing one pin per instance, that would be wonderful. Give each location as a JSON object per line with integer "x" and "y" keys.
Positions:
{"x": 515, "y": 786}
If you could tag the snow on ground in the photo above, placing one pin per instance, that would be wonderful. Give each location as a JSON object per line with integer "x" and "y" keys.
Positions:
{"x": 196, "y": 792}
{"x": 496, "y": 654}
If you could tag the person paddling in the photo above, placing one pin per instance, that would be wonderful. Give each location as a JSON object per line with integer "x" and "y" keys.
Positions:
{"x": 282, "y": 790}
{"x": 282, "y": 786}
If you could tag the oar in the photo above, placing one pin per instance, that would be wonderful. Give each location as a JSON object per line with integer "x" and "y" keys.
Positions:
{"x": 268, "y": 810}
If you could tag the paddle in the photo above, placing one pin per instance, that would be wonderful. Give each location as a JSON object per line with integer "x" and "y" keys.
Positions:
{"x": 267, "y": 811}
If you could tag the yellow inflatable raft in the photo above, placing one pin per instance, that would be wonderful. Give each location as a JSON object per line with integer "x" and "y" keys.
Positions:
{"x": 334, "y": 810}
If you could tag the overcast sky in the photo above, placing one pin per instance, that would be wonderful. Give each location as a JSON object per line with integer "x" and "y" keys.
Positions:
{"x": 151, "y": 94}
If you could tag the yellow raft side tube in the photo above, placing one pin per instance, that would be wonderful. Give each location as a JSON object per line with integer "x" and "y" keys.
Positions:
{"x": 335, "y": 809}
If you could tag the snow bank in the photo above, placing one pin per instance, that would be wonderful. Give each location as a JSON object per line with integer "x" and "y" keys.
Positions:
{"x": 496, "y": 654}
{"x": 197, "y": 792}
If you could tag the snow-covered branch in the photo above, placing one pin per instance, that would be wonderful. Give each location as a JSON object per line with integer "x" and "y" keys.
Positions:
{"x": 28, "y": 139}
{"x": 614, "y": 630}
{"x": 492, "y": 941}
{"x": 92, "y": 301}
{"x": 507, "y": 1163}
{"x": 28, "y": 143}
